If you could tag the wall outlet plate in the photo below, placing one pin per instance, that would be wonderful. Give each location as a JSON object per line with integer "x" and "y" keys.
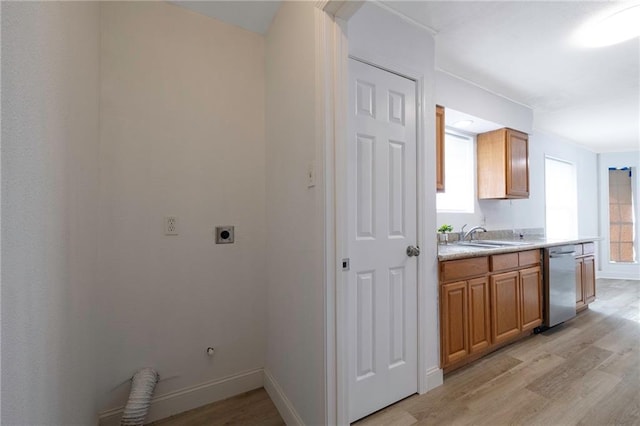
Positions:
{"x": 224, "y": 234}
{"x": 170, "y": 225}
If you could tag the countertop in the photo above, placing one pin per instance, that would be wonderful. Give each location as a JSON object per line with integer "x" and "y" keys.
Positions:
{"x": 454, "y": 251}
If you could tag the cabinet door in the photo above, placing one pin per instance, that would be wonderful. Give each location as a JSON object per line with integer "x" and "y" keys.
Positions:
{"x": 517, "y": 164}
{"x": 439, "y": 148}
{"x": 579, "y": 293}
{"x": 589, "y": 279}
{"x": 455, "y": 321}
{"x": 531, "y": 297}
{"x": 505, "y": 306}
{"x": 479, "y": 321}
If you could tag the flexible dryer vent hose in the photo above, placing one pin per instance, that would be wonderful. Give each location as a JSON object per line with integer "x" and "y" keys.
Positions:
{"x": 142, "y": 385}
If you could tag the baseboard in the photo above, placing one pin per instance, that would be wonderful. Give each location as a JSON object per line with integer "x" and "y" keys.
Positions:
{"x": 192, "y": 397}
{"x": 633, "y": 276}
{"x": 280, "y": 400}
{"x": 435, "y": 378}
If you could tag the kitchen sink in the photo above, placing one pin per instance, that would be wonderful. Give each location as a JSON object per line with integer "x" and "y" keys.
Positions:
{"x": 479, "y": 244}
{"x": 493, "y": 243}
{"x": 507, "y": 243}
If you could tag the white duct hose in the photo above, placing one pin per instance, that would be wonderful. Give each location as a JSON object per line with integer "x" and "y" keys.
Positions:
{"x": 142, "y": 385}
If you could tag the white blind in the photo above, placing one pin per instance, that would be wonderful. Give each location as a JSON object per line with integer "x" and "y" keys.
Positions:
{"x": 561, "y": 199}
{"x": 459, "y": 183}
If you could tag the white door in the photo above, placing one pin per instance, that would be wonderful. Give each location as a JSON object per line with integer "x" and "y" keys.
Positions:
{"x": 382, "y": 284}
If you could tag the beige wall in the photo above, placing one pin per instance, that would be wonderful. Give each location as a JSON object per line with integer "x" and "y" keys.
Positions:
{"x": 295, "y": 344}
{"x": 182, "y": 133}
{"x": 50, "y": 340}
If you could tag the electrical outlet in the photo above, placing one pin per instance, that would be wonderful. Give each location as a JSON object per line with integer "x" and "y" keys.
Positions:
{"x": 224, "y": 234}
{"x": 170, "y": 225}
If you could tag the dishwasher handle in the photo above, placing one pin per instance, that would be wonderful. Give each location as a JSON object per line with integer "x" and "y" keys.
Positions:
{"x": 562, "y": 254}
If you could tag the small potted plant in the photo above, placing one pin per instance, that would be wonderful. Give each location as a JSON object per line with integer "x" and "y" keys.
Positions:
{"x": 443, "y": 236}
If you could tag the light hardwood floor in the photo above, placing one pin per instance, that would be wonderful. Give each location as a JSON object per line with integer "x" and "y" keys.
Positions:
{"x": 585, "y": 372}
{"x": 250, "y": 408}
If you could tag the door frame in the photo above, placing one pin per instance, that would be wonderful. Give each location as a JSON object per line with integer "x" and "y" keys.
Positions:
{"x": 332, "y": 56}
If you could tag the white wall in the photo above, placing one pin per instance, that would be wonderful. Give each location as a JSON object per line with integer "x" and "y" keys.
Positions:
{"x": 182, "y": 133}
{"x": 463, "y": 96}
{"x": 617, "y": 159}
{"x": 384, "y": 39}
{"x": 529, "y": 213}
{"x": 295, "y": 260}
{"x": 460, "y": 95}
{"x": 50, "y": 81}
{"x": 585, "y": 161}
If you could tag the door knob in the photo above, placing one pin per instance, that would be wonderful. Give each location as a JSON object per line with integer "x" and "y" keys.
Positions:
{"x": 413, "y": 251}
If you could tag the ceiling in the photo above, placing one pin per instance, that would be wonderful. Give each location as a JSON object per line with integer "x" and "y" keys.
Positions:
{"x": 522, "y": 50}
{"x": 254, "y": 16}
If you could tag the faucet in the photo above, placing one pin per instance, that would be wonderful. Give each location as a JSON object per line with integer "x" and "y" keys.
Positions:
{"x": 472, "y": 231}
{"x": 461, "y": 233}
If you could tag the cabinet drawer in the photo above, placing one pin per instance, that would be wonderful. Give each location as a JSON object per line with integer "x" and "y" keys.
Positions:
{"x": 464, "y": 268}
{"x": 578, "y": 249}
{"x": 529, "y": 257}
{"x": 588, "y": 248}
{"x": 500, "y": 262}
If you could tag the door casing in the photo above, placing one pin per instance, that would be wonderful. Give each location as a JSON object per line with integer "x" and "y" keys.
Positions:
{"x": 333, "y": 53}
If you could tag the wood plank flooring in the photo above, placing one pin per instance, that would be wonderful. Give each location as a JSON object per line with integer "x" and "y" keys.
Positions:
{"x": 585, "y": 372}
{"x": 251, "y": 408}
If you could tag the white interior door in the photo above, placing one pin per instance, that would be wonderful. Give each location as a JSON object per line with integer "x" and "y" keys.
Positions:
{"x": 382, "y": 284}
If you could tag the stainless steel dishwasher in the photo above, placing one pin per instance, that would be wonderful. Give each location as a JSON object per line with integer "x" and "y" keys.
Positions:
{"x": 560, "y": 284}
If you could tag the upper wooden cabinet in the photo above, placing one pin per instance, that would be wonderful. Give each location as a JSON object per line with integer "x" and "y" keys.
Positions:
{"x": 503, "y": 164}
{"x": 439, "y": 148}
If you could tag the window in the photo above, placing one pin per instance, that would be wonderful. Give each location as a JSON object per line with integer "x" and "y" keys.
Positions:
{"x": 561, "y": 198}
{"x": 621, "y": 215}
{"x": 459, "y": 175}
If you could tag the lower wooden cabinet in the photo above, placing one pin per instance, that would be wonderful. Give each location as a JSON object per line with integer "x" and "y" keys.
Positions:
{"x": 531, "y": 297}
{"x": 490, "y": 301}
{"x": 579, "y": 293}
{"x": 585, "y": 275}
{"x": 465, "y": 319}
{"x": 454, "y": 322}
{"x": 589, "y": 279}
{"x": 486, "y": 302}
{"x": 505, "y": 303}
{"x": 479, "y": 321}
{"x": 585, "y": 281}
{"x": 516, "y": 299}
